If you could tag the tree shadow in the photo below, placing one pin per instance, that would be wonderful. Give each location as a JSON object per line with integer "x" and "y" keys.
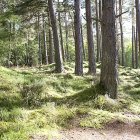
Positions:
{"x": 10, "y": 102}
{"x": 78, "y": 98}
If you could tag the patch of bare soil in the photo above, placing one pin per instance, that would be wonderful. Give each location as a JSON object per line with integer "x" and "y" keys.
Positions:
{"x": 113, "y": 131}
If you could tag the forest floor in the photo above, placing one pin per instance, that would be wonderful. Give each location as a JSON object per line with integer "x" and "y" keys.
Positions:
{"x": 37, "y": 104}
{"x": 116, "y": 133}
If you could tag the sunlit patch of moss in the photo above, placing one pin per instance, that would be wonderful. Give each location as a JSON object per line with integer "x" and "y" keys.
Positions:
{"x": 96, "y": 119}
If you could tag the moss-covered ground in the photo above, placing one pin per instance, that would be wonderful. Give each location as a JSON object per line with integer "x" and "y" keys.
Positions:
{"x": 36, "y": 100}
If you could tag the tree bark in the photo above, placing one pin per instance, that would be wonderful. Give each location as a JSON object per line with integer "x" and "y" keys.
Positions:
{"x": 58, "y": 54}
{"x": 136, "y": 49}
{"x": 39, "y": 41}
{"x": 91, "y": 55}
{"x": 78, "y": 40}
{"x": 84, "y": 52}
{"x": 66, "y": 35}
{"x": 137, "y": 3}
{"x": 100, "y": 36}
{"x": 60, "y": 32}
{"x": 133, "y": 45}
{"x": 97, "y": 31}
{"x": 45, "y": 43}
{"x": 121, "y": 31}
{"x": 109, "y": 73}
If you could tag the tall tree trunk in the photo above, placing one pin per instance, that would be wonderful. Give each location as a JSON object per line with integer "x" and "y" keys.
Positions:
{"x": 27, "y": 49}
{"x": 66, "y": 31}
{"x": 15, "y": 45}
{"x": 58, "y": 54}
{"x": 51, "y": 47}
{"x": 100, "y": 18}
{"x": 45, "y": 42}
{"x": 60, "y": 32}
{"x": 84, "y": 51}
{"x": 78, "y": 40}
{"x": 133, "y": 45}
{"x": 91, "y": 55}
{"x": 109, "y": 73}
{"x": 133, "y": 38}
{"x": 136, "y": 49}
{"x": 39, "y": 41}
{"x": 137, "y": 3}
{"x": 97, "y": 31}
{"x": 121, "y": 30}
{"x": 117, "y": 32}
{"x": 9, "y": 51}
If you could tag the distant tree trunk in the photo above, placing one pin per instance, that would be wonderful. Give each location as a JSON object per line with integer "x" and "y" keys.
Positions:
{"x": 9, "y": 51}
{"x": 45, "y": 43}
{"x": 60, "y": 31}
{"x": 91, "y": 55}
{"x": 133, "y": 38}
{"x": 15, "y": 45}
{"x": 133, "y": 45}
{"x": 78, "y": 40}
{"x": 51, "y": 47}
{"x": 137, "y": 3}
{"x": 58, "y": 54}
{"x": 109, "y": 73}
{"x": 66, "y": 35}
{"x": 100, "y": 36}
{"x": 39, "y": 41}
{"x": 117, "y": 33}
{"x": 121, "y": 30}
{"x": 72, "y": 28}
{"x": 27, "y": 49}
{"x": 84, "y": 52}
{"x": 136, "y": 49}
{"x": 97, "y": 31}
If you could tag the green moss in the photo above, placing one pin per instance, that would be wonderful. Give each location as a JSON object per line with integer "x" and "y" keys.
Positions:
{"x": 62, "y": 100}
{"x": 96, "y": 119}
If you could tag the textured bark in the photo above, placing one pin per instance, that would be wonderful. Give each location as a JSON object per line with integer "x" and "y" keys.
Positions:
{"x": 60, "y": 32}
{"x": 137, "y": 3}
{"x": 84, "y": 52}
{"x": 39, "y": 41}
{"x": 78, "y": 40}
{"x": 133, "y": 34}
{"x": 45, "y": 53}
{"x": 117, "y": 31}
{"x": 100, "y": 17}
{"x": 51, "y": 48}
{"x": 121, "y": 31}
{"x": 66, "y": 35}
{"x": 58, "y": 54}
{"x": 136, "y": 49}
{"x": 91, "y": 55}
{"x": 97, "y": 31}
{"x": 133, "y": 45}
{"x": 109, "y": 73}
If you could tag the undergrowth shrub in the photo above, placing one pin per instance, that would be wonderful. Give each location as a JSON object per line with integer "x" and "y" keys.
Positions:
{"x": 32, "y": 93}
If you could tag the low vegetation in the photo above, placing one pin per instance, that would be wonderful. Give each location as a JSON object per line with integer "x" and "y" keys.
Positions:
{"x": 35, "y": 100}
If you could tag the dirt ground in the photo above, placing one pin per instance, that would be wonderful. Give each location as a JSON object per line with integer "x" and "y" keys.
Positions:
{"x": 113, "y": 131}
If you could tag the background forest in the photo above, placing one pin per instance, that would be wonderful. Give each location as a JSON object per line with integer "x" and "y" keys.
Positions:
{"x": 26, "y": 32}
{"x": 69, "y": 65}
